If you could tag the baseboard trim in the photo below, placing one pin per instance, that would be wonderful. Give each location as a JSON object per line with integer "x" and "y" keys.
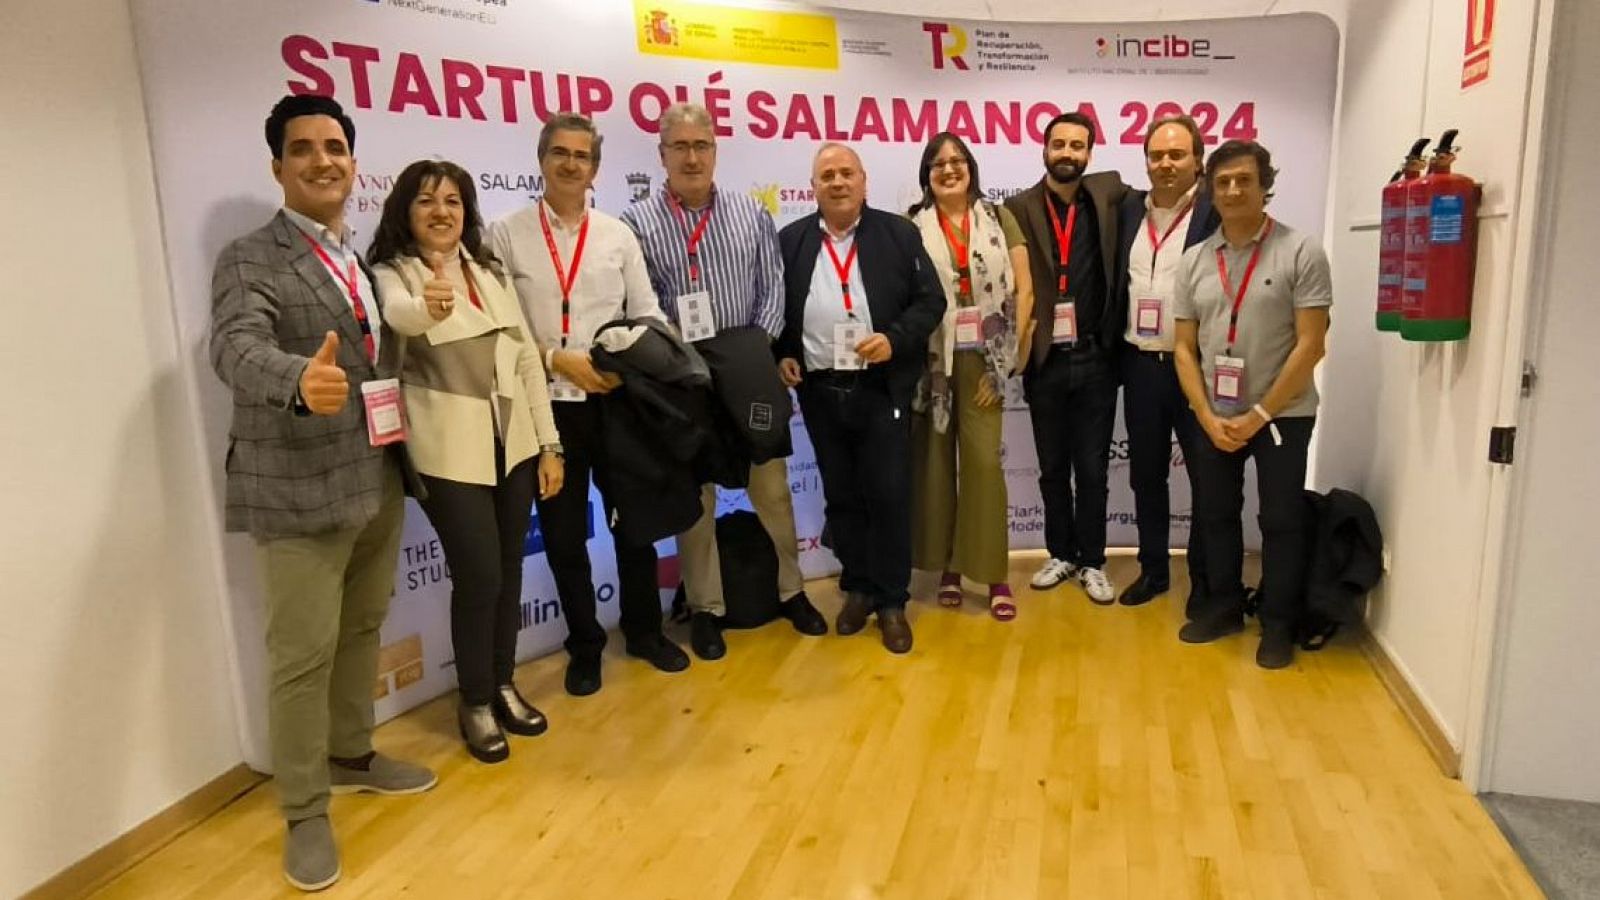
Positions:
{"x": 1410, "y": 702}
{"x": 98, "y": 868}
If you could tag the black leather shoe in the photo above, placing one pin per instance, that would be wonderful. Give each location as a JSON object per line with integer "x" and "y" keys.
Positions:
{"x": 583, "y": 675}
{"x": 1142, "y": 591}
{"x": 803, "y": 616}
{"x": 661, "y": 653}
{"x": 485, "y": 741}
{"x": 705, "y": 636}
{"x": 896, "y": 630}
{"x": 1277, "y": 648}
{"x": 853, "y": 615}
{"x": 515, "y": 714}
{"x": 1206, "y": 632}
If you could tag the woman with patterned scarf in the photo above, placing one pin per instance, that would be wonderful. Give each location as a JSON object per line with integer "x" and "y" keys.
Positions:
{"x": 981, "y": 257}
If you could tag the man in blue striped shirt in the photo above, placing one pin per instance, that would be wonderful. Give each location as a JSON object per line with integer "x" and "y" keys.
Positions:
{"x": 714, "y": 263}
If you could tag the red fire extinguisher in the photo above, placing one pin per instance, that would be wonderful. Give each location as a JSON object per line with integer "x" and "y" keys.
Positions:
{"x": 1392, "y": 238}
{"x": 1438, "y": 307}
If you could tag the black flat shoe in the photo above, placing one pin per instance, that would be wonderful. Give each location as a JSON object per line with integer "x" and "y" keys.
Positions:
{"x": 705, "y": 636}
{"x": 515, "y": 714}
{"x": 485, "y": 741}
{"x": 661, "y": 653}
{"x": 805, "y": 618}
{"x": 1142, "y": 591}
{"x": 583, "y": 675}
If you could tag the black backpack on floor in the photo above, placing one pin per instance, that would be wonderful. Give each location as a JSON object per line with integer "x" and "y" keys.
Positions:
{"x": 749, "y": 573}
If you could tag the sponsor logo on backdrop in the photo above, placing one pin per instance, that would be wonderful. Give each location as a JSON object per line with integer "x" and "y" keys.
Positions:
{"x": 479, "y": 11}
{"x": 990, "y": 49}
{"x": 399, "y": 665}
{"x": 659, "y": 29}
{"x": 784, "y": 202}
{"x": 1161, "y": 46}
{"x": 368, "y": 193}
{"x": 949, "y": 44}
{"x": 765, "y": 37}
{"x": 423, "y": 564}
{"x": 638, "y": 186}
{"x": 525, "y": 184}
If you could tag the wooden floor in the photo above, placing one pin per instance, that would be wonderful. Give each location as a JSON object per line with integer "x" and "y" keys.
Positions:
{"x": 1079, "y": 751}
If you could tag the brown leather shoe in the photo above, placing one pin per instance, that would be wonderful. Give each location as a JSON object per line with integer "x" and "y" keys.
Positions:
{"x": 896, "y": 630}
{"x": 853, "y": 616}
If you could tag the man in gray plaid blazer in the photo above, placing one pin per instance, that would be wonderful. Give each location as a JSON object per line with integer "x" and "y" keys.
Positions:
{"x": 295, "y": 331}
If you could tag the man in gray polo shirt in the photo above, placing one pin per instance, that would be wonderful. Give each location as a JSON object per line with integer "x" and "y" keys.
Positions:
{"x": 1251, "y": 305}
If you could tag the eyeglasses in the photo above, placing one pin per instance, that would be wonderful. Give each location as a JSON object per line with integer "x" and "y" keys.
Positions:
{"x": 955, "y": 164}
{"x": 684, "y": 148}
{"x": 563, "y": 155}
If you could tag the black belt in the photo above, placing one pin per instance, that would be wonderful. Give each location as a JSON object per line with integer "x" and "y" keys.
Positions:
{"x": 1160, "y": 356}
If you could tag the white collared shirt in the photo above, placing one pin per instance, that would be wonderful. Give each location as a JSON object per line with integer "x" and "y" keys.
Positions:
{"x": 341, "y": 249}
{"x": 612, "y": 281}
{"x": 825, "y": 303}
{"x": 1151, "y": 275}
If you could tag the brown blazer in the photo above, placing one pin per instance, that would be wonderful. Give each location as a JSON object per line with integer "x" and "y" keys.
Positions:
{"x": 1106, "y": 191}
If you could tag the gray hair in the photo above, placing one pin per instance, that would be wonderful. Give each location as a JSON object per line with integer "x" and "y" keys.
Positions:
{"x": 685, "y": 114}
{"x": 835, "y": 145}
{"x": 570, "y": 121}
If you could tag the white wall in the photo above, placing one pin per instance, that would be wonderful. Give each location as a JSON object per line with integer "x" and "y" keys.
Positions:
{"x": 1407, "y": 425}
{"x": 112, "y": 672}
{"x": 1548, "y": 723}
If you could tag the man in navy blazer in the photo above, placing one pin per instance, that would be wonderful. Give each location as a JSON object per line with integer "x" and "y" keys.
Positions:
{"x": 861, "y": 299}
{"x": 1156, "y": 227}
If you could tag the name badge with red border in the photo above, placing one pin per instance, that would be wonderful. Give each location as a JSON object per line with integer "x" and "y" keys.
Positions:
{"x": 386, "y": 418}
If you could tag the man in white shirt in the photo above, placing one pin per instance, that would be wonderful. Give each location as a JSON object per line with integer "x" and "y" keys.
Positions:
{"x": 574, "y": 269}
{"x": 1157, "y": 226}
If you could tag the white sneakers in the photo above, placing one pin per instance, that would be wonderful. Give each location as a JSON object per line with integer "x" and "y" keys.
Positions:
{"x": 1052, "y": 573}
{"x": 1094, "y": 581}
{"x": 1096, "y": 585}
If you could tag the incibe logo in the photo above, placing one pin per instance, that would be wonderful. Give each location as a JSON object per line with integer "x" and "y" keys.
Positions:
{"x": 1165, "y": 46}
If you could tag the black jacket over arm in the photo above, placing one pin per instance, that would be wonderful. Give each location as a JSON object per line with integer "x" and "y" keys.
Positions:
{"x": 903, "y": 293}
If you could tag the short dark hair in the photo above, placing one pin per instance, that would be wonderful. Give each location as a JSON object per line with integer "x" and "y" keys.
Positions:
{"x": 925, "y": 169}
{"x": 570, "y": 121}
{"x": 1188, "y": 124}
{"x": 293, "y": 106}
{"x": 394, "y": 238}
{"x": 1233, "y": 150}
{"x": 1073, "y": 118}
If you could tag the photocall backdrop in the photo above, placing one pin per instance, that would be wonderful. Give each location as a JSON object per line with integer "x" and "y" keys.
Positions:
{"x": 471, "y": 81}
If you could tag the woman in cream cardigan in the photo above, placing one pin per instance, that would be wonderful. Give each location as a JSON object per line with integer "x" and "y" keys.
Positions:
{"x": 480, "y": 428}
{"x": 981, "y": 257}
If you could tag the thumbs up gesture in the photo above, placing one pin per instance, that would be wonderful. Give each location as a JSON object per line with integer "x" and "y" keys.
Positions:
{"x": 438, "y": 293}
{"x": 323, "y": 385}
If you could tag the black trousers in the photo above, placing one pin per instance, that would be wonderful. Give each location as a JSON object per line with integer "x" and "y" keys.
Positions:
{"x": 1153, "y": 410}
{"x": 1072, "y": 400}
{"x": 482, "y": 529}
{"x": 863, "y": 446}
{"x": 1280, "y": 485}
{"x": 565, "y": 520}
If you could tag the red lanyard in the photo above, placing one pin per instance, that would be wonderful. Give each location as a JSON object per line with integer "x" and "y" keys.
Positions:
{"x": 693, "y": 236}
{"x": 960, "y": 245}
{"x": 1244, "y": 283}
{"x": 1155, "y": 245}
{"x": 1063, "y": 240}
{"x": 564, "y": 278}
{"x": 843, "y": 270}
{"x": 472, "y": 288}
{"x": 352, "y": 286}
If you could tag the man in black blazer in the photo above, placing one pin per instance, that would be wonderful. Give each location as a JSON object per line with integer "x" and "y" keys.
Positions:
{"x": 861, "y": 299}
{"x": 1071, "y": 381}
{"x": 1176, "y": 208}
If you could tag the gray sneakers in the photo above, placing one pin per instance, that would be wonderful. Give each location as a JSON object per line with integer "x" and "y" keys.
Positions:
{"x": 310, "y": 859}
{"x": 383, "y": 775}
